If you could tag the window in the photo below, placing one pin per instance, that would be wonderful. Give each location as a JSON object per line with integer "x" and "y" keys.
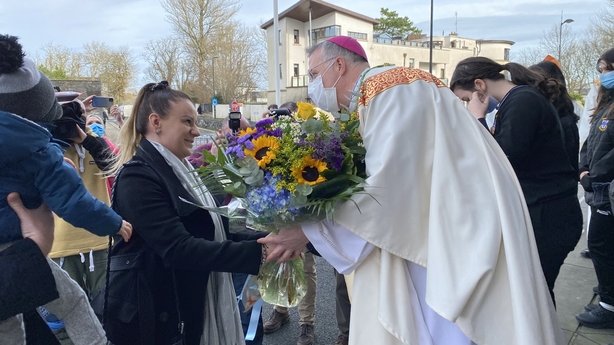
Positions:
{"x": 296, "y": 37}
{"x": 506, "y": 54}
{"x": 361, "y": 36}
{"x": 325, "y": 32}
{"x": 280, "y": 74}
{"x": 296, "y": 70}
{"x": 279, "y": 36}
{"x": 411, "y": 63}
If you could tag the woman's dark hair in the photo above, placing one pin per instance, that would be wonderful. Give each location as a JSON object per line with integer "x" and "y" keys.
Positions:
{"x": 605, "y": 98}
{"x": 290, "y": 106}
{"x": 562, "y": 103}
{"x": 608, "y": 58}
{"x": 470, "y": 69}
{"x": 152, "y": 98}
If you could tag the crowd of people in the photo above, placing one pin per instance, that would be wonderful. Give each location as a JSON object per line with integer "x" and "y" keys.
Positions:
{"x": 459, "y": 238}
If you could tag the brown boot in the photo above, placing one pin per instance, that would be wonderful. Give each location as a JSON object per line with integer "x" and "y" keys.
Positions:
{"x": 275, "y": 321}
{"x": 307, "y": 336}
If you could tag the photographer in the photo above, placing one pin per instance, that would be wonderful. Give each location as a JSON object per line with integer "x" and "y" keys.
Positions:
{"x": 82, "y": 254}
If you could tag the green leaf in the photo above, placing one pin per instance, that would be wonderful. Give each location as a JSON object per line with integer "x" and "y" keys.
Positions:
{"x": 304, "y": 189}
{"x": 254, "y": 180}
{"x": 312, "y": 126}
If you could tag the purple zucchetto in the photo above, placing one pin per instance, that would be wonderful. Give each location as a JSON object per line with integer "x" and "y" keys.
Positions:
{"x": 350, "y": 44}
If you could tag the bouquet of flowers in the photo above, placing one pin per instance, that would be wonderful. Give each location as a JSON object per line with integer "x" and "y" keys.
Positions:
{"x": 286, "y": 170}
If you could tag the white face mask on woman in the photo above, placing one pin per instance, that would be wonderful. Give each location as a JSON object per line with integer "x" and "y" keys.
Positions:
{"x": 323, "y": 97}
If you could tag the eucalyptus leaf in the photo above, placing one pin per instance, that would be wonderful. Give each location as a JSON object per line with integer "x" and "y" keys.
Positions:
{"x": 312, "y": 126}
{"x": 304, "y": 189}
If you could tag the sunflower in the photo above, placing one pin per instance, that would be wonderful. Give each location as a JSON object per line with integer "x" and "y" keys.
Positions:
{"x": 246, "y": 131}
{"x": 305, "y": 110}
{"x": 309, "y": 171}
{"x": 264, "y": 151}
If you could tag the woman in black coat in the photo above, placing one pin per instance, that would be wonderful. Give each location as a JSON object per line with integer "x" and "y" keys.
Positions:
{"x": 528, "y": 129}
{"x": 596, "y": 175}
{"x": 159, "y": 280}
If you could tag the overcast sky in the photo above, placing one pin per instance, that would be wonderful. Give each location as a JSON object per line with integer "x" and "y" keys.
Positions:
{"x": 134, "y": 22}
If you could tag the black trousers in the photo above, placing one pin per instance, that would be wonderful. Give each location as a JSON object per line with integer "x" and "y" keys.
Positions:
{"x": 557, "y": 225}
{"x": 601, "y": 246}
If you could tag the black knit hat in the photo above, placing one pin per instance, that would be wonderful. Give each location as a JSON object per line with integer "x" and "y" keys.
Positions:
{"x": 23, "y": 89}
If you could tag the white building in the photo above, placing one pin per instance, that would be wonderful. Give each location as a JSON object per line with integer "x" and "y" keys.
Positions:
{"x": 325, "y": 20}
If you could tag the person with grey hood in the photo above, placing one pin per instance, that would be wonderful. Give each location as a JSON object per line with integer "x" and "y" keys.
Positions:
{"x": 32, "y": 164}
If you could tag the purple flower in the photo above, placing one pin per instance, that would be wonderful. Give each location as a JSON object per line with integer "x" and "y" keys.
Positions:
{"x": 235, "y": 150}
{"x": 265, "y": 122}
{"x": 329, "y": 150}
{"x": 196, "y": 158}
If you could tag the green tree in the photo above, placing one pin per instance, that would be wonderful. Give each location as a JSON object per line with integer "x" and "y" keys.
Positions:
{"x": 392, "y": 24}
{"x": 54, "y": 74}
{"x": 114, "y": 67}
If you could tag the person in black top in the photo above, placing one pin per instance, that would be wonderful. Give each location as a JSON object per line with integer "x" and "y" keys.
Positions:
{"x": 528, "y": 130}
{"x": 169, "y": 284}
{"x": 564, "y": 107}
{"x": 596, "y": 174}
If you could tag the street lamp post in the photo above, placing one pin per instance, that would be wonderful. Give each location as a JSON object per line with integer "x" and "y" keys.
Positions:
{"x": 213, "y": 83}
{"x": 431, "y": 42}
{"x": 563, "y": 22}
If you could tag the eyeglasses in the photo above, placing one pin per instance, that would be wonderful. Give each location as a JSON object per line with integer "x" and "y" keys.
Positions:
{"x": 312, "y": 75}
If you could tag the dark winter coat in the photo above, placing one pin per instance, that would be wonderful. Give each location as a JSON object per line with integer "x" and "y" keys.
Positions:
{"x": 159, "y": 278}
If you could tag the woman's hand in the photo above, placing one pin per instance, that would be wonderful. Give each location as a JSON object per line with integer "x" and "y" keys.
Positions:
{"x": 87, "y": 103}
{"x": 81, "y": 135}
{"x": 478, "y": 105}
{"x": 286, "y": 245}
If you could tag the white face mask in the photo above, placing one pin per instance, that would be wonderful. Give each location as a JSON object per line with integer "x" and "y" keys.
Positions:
{"x": 323, "y": 97}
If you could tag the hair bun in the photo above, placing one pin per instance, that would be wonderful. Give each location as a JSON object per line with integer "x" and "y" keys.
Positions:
{"x": 11, "y": 54}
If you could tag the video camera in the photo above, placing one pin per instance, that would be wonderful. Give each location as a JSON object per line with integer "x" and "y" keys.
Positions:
{"x": 65, "y": 128}
{"x": 279, "y": 112}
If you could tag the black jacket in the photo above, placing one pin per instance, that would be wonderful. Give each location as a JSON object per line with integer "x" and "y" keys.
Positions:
{"x": 571, "y": 136}
{"x": 176, "y": 252}
{"x": 528, "y": 130}
{"x": 26, "y": 281}
{"x": 597, "y": 157}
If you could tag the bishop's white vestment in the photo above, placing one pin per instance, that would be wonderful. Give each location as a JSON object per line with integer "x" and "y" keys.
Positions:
{"x": 445, "y": 223}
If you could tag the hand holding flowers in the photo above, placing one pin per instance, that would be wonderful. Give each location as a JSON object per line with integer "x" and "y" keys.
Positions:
{"x": 286, "y": 244}
{"x": 287, "y": 170}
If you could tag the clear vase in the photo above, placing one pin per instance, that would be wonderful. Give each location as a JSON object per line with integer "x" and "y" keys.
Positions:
{"x": 284, "y": 283}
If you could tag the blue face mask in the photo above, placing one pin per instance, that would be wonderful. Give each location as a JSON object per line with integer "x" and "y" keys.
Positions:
{"x": 98, "y": 129}
{"x": 607, "y": 79}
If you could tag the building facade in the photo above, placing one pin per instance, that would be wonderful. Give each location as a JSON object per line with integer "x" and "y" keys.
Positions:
{"x": 309, "y": 22}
